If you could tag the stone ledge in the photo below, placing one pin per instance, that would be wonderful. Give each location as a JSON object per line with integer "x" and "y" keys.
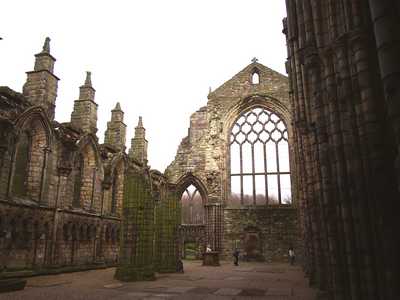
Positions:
{"x": 53, "y": 271}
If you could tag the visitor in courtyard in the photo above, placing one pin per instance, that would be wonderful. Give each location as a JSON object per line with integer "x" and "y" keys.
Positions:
{"x": 236, "y": 257}
{"x": 291, "y": 256}
{"x": 208, "y": 249}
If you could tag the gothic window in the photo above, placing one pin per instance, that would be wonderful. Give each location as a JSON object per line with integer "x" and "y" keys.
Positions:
{"x": 259, "y": 159}
{"x": 192, "y": 206}
{"x": 255, "y": 77}
{"x": 78, "y": 169}
{"x": 114, "y": 194}
{"x": 22, "y": 159}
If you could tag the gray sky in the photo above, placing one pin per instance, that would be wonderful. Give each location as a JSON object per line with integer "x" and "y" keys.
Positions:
{"x": 156, "y": 57}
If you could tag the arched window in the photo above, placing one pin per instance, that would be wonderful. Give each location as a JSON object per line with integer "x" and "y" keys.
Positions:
{"x": 22, "y": 159}
{"x": 259, "y": 159}
{"x": 78, "y": 177}
{"x": 255, "y": 77}
{"x": 114, "y": 192}
{"x": 192, "y": 206}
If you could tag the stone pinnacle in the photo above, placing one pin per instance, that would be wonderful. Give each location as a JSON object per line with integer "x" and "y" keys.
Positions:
{"x": 117, "y": 106}
{"x": 46, "y": 45}
{"x": 88, "y": 80}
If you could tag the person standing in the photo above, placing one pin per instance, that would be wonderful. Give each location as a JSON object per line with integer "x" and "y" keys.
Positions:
{"x": 236, "y": 257}
{"x": 291, "y": 256}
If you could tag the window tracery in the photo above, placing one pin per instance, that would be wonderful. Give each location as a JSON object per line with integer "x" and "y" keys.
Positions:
{"x": 259, "y": 159}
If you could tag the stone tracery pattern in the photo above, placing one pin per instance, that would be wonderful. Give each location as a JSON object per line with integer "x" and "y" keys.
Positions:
{"x": 265, "y": 163}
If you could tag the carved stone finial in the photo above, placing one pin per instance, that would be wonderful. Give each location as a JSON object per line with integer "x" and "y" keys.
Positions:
{"x": 88, "y": 80}
{"x": 140, "y": 123}
{"x": 209, "y": 90}
{"x": 117, "y": 106}
{"x": 254, "y": 60}
{"x": 46, "y": 45}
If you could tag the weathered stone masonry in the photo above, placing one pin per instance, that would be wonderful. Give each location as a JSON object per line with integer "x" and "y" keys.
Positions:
{"x": 203, "y": 160}
{"x": 63, "y": 195}
{"x": 344, "y": 66}
{"x": 61, "y": 191}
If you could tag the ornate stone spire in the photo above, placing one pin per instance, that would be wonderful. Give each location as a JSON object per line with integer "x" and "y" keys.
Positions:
{"x": 40, "y": 87}
{"x": 115, "y": 134}
{"x": 139, "y": 143}
{"x": 84, "y": 115}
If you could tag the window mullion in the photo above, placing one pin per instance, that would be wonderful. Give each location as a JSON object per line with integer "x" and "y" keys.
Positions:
{"x": 253, "y": 174}
{"x": 241, "y": 175}
{"x": 265, "y": 176}
{"x": 277, "y": 169}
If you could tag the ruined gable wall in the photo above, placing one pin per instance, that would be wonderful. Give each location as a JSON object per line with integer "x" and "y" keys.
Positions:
{"x": 203, "y": 152}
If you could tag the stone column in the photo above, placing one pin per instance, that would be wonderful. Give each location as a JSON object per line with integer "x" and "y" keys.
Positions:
{"x": 43, "y": 176}
{"x": 63, "y": 173}
{"x": 136, "y": 257}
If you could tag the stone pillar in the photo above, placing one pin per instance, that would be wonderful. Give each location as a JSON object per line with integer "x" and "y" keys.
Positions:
{"x": 115, "y": 134}
{"x": 138, "y": 149}
{"x": 41, "y": 85}
{"x": 43, "y": 176}
{"x": 167, "y": 230}
{"x": 84, "y": 115}
{"x": 385, "y": 16}
{"x": 214, "y": 227}
{"x": 136, "y": 257}
{"x": 63, "y": 173}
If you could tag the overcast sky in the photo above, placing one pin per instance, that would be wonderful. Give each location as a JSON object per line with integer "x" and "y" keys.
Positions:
{"x": 158, "y": 58}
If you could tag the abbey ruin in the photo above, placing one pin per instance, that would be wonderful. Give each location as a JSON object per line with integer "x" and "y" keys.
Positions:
{"x": 310, "y": 161}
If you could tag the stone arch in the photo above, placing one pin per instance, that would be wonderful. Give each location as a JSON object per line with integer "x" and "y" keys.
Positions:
{"x": 255, "y": 77}
{"x": 87, "y": 175}
{"x": 32, "y": 147}
{"x": 188, "y": 179}
{"x": 90, "y": 140}
{"x": 248, "y": 103}
{"x": 35, "y": 113}
{"x": 190, "y": 188}
{"x": 118, "y": 166}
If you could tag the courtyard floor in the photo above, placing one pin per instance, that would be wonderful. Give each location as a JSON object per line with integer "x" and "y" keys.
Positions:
{"x": 247, "y": 281}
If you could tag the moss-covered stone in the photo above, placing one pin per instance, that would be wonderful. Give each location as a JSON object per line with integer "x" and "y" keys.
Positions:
{"x": 137, "y": 238}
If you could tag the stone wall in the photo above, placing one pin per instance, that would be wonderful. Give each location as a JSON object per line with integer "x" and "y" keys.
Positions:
{"x": 45, "y": 165}
{"x": 277, "y": 229}
{"x": 202, "y": 159}
{"x": 343, "y": 65}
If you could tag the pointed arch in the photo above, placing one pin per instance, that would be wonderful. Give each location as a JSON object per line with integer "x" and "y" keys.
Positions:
{"x": 193, "y": 197}
{"x": 255, "y": 76}
{"x": 188, "y": 179}
{"x": 90, "y": 140}
{"x": 32, "y": 146}
{"x": 115, "y": 174}
{"x": 89, "y": 172}
{"x": 32, "y": 114}
{"x": 257, "y": 153}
